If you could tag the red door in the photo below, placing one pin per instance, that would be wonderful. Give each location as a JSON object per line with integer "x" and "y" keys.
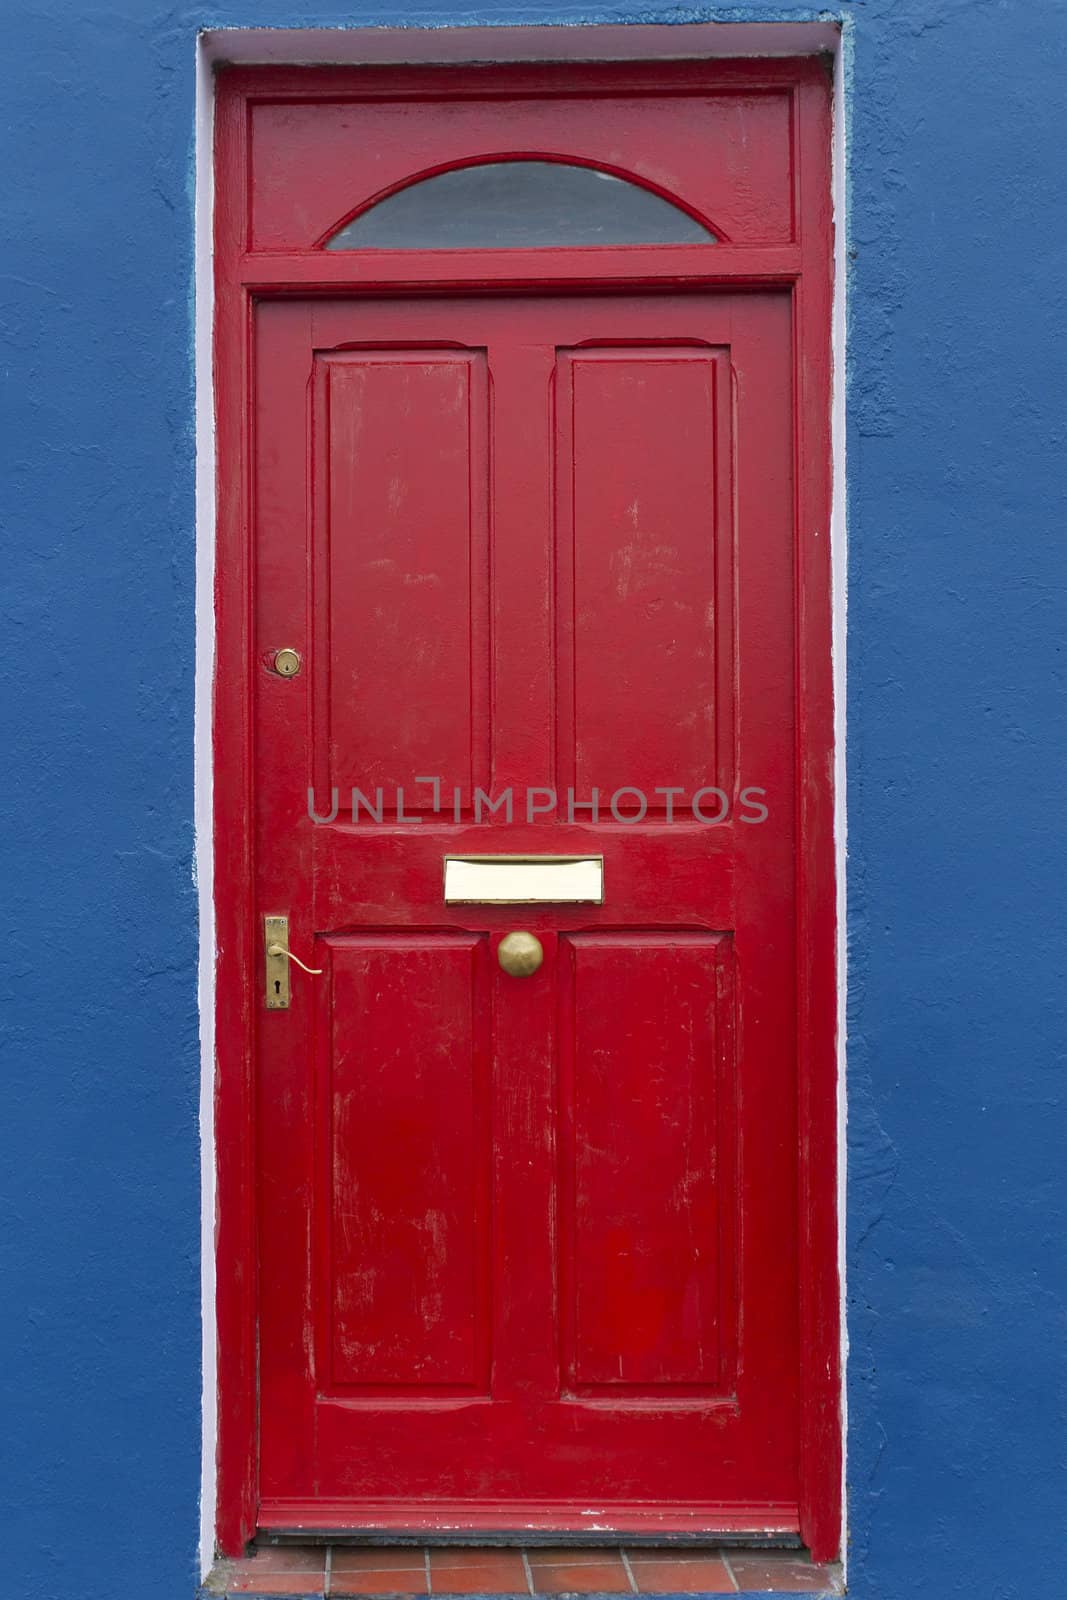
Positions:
{"x": 528, "y": 1244}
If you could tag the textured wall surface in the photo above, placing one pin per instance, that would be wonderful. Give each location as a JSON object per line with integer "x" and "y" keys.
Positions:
{"x": 958, "y": 393}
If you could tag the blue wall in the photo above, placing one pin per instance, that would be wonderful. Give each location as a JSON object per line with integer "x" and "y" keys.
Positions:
{"x": 956, "y": 778}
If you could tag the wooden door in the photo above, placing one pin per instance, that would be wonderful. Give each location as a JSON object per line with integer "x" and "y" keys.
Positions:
{"x": 523, "y": 402}
{"x": 528, "y": 1246}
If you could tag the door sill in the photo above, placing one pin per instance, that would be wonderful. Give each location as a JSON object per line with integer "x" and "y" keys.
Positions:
{"x": 499, "y": 1523}
{"x": 410, "y": 1572}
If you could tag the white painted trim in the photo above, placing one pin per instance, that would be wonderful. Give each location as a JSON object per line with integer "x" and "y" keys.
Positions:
{"x": 355, "y": 46}
{"x": 583, "y": 42}
{"x": 203, "y": 775}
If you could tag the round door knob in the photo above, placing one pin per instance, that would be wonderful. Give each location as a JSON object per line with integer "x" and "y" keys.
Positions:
{"x": 520, "y": 954}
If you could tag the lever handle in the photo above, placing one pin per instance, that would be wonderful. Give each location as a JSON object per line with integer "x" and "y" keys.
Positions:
{"x": 280, "y": 950}
{"x": 276, "y": 958}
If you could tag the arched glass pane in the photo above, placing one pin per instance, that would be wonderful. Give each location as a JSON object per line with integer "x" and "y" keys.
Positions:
{"x": 519, "y": 204}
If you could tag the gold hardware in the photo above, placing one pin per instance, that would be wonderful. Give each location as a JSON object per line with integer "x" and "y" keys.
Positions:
{"x": 277, "y": 956}
{"x": 287, "y": 663}
{"x": 520, "y": 954}
{"x": 276, "y": 936}
{"x": 279, "y": 950}
{"x": 512, "y": 880}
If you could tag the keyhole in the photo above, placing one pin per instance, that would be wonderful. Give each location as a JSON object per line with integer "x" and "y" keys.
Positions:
{"x": 277, "y": 986}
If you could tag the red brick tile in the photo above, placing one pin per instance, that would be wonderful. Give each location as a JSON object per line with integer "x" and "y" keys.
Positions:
{"x": 580, "y": 1556}
{"x": 396, "y": 1581}
{"x": 606, "y": 1576}
{"x": 687, "y": 1552}
{"x": 704, "y": 1574}
{"x": 472, "y": 1556}
{"x": 378, "y": 1584}
{"x": 779, "y": 1569}
{"x": 276, "y": 1583}
{"x": 372, "y": 1558}
{"x": 477, "y": 1572}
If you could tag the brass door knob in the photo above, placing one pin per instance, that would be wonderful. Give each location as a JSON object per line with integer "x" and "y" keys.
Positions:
{"x": 520, "y": 954}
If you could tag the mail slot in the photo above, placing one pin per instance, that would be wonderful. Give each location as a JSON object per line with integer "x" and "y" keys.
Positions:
{"x": 524, "y": 880}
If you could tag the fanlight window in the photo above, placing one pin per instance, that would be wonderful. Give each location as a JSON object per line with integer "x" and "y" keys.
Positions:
{"x": 513, "y": 204}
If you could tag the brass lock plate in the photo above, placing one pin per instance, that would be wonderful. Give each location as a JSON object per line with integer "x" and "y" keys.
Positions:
{"x": 287, "y": 663}
{"x": 276, "y": 968}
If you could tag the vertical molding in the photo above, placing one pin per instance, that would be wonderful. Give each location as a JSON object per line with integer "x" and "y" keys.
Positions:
{"x": 203, "y": 769}
{"x": 821, "y": 1441}
{"x": 839, "y": 633}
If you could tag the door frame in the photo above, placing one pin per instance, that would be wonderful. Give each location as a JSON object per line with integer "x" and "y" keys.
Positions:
{"x": 241, "y": 277}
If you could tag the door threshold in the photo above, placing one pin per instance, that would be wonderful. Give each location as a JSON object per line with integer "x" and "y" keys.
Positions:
{"x": 547, "y": 1523}
{"x": 416, "y": 1571}
{"x": 524, "y": 1538}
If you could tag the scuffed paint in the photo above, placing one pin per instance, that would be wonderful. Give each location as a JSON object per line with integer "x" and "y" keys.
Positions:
{"x": 956, "y": 710}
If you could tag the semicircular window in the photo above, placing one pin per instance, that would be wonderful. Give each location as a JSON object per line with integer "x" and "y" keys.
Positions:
{"x": 514, "y": 204}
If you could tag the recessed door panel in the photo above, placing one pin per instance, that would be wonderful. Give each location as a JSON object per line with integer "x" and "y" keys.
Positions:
{"x": 401, "y": 559}
{"x": 407, "y": 1175}
{"x": 648, "y": 1162}
{"x": 644, "y": 562}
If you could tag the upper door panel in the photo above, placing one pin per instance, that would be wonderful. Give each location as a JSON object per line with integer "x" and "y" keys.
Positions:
{"x": 719, "y": 145}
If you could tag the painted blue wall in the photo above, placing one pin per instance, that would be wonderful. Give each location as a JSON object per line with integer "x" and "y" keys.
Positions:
{"x": 956, "y": 716}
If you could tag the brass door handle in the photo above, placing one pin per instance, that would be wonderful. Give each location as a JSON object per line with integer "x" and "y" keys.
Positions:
{"x": 520, "y": 954}
{"x": 276, "y": 958}
{"x": 280, "y": 950}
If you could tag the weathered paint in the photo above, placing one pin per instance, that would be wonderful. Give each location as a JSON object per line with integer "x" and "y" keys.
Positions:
{"x": 407, "y": 493}
{"x": 955, "y": 773}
